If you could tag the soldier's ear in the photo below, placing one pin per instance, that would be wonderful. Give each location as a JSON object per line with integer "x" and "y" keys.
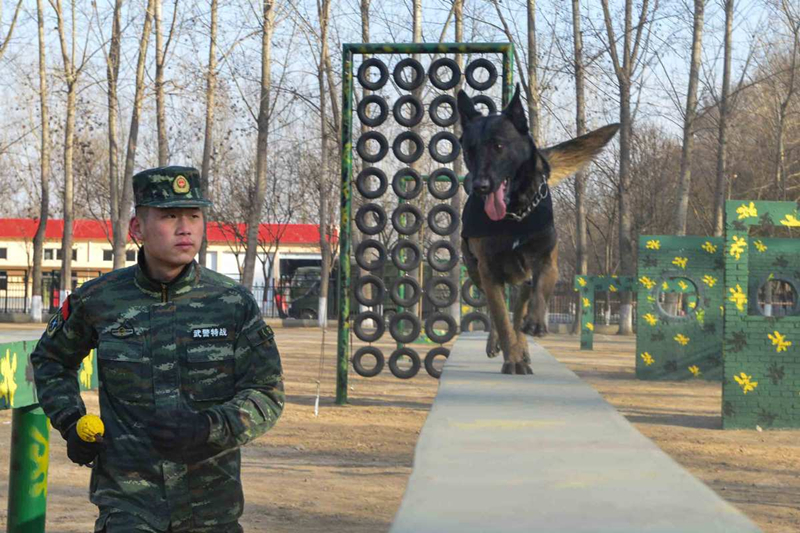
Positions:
{"x": 135, "y": 227}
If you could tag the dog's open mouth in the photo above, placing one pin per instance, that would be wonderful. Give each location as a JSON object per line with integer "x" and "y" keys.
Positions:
{"x": 495, "y": 203}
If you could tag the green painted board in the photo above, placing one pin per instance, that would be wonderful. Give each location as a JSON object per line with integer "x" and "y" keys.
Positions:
{"x": 587, "y": 286}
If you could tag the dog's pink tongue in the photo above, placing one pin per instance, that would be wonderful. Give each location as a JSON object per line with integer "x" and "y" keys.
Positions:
{"x": 495, "y": 205}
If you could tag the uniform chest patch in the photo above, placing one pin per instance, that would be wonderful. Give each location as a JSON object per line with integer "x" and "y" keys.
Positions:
{"x": 122, "y": 331}
{"x": 210, "y": 333}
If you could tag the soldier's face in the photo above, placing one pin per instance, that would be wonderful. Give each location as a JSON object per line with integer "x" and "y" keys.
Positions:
{"x": 171, "y": 237}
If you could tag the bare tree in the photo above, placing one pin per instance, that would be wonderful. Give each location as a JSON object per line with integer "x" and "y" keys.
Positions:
{"x": 791, "y": 19}
{"x": 625, "y": 71}
{"x": 126, "y": 193}
{"x": 38, "y": 239}
{"x": 208, "y": 138}
{"x": 724, "y": 112}
{"x": 324, "y": 7}
{"x": 689, "y": 118}
{"x": 262, "y": 144}
{"x": 112, "y": 77}
{"x": 458, "y": 165}
{"x": 5, "y": 40}
{"x": 162, "y": 49}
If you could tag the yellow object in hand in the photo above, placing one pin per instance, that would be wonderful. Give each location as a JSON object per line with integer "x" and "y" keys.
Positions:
{"x": 90, "y": 428}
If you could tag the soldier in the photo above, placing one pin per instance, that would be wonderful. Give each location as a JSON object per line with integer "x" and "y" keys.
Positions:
{"x": 188, "y": 373}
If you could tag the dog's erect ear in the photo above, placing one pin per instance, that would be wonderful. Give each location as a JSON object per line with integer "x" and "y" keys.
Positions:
{"x": 571, "y": 156}
{"x": 515, "y": 112}
{"x": 466, "y": 108}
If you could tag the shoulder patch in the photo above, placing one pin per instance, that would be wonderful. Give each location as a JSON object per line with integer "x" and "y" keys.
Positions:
{"x": 55, "y": 324}
{"x": 266, "y": 333}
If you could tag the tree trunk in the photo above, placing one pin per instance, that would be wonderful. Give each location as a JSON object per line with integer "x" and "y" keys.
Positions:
{"x": 533, "y": 76}
{"x": 112, "y": 75}
{"x": 7, "y": 38}
{"x": 208, "y": 139}
{"x": 688, "y": 121}
{"x": 126, "y": 198}
{"x": 322, "y": 315}
{"x": 38, "y": 239}
{"x": 262, "y": 143}
{"x": 581, "y": 245}
{"x": 161, "y": 115}
{"x": 457, "y": 201}
{"x": 722, "y": 143}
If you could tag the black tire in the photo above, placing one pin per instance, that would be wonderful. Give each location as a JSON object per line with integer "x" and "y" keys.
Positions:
{"x": 361, "y": 110}
{"x": 475, "y": 316}
{"x": 452, "y": 327}
{"x": 399, "y": 336}
{"x": 431, "y": 357}
{"x": 443, "y": 230}
{"x": 361, "y": 221}
{"x": 406, "y": 301}
{"x": 407, "y": 209}
{"x": 433, "y": 147}
{"x": 361, "y": 183}
{"x": 433, "y": 110}
{"x": 416, "y": 364}
{"x": 407, "y": 265}
{"x": 379, "y": 361}
{"x": 377, "y": 295}
{"x": 412, "y": 136}
{"x": 491, "y": 107}
{"x": 362, "y": 74}
{"x": 416, "y": 81}
{"x": 466, "y": 294}
{"x": 308, "y": 314}
{"x": 361, "y": 146}
{"x": 358, "y": 326}
{"x": 413, "y": 120}
{"x": 361, "y": 259}
{"x": 447, "y": 193}
{"x": 475, "y": 64}
{"x": 442, "y": 267}
{"x": 455, "y": 73}
{"x": 398, "y": 183}
{"x": 430, "y": 291}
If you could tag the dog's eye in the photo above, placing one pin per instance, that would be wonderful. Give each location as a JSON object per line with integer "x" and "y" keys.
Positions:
{"x": 498, "y": 146}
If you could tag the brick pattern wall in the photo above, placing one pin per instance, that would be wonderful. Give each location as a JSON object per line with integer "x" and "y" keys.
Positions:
{"x": 761, "y": 382}
{"x": 673, "y": 344}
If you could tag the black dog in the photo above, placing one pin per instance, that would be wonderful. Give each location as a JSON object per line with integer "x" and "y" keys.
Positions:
{"x": 508, "y": 235}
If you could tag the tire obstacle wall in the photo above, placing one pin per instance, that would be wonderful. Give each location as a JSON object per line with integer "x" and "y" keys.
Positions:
{"x": 587, "y": 286}
{"x": 679, "y": 305}
{"x": 407, "y": 186}
{"x": 30, "y": 434}
{"x": 761, "y": 383}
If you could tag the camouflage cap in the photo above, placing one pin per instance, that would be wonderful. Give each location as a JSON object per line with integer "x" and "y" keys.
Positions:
{"x": 169, "y": 187}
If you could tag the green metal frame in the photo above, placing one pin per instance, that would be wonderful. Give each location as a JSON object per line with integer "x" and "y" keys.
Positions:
{"x": 348, "y": 51}
{"x": 30, "y": 435}
{"x": 587, "y": 286}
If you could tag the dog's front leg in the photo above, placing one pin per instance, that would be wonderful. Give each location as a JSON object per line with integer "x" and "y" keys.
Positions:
{"x": 513, "y": 349}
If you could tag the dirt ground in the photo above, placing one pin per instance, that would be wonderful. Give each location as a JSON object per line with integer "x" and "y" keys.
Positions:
{"x": 346, "y": 469}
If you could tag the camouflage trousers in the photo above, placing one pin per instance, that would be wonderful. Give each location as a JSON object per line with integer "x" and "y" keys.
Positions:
{"x": 120, "y": 522}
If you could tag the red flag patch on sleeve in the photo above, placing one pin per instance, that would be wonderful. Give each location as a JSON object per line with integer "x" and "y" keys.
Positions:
{"x": 65, "y": 309}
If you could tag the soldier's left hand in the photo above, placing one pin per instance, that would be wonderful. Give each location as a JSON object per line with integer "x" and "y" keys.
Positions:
{"x": 176, "y": 433}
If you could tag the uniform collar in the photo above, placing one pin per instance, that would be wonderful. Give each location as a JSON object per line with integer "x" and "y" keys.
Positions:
{"x": 165, "y": 291}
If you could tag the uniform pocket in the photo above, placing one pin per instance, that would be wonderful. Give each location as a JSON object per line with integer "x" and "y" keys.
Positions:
{"x": 124, "y": 374}
{"x": 209, "y": 369}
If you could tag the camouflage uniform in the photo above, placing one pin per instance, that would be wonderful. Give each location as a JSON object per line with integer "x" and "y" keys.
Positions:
{"x": 197, "y": 343}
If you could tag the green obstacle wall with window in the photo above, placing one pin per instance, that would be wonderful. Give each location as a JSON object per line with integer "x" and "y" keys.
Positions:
{"x": 761, "y": 383}
{"x": 679, "y": 320}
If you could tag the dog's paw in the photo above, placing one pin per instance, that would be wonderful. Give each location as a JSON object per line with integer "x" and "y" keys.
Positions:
{"x": 516, "y": 368}
{"x": 492, "y": 347}
{"x": 533, "y": 328}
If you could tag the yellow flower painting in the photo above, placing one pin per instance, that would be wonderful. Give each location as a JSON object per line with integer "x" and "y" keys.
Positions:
{"x": 738, "y": 297}
{"x": 654, "y": 244}
{"x": 680, "y": 262}
{"x": 744, "y": 381}
{"x": 738, "y": 246}
{"x": 586, "y": 302}
{"x": 791, "y": 221}
{"x": 683, "y": 285}
{"x": 695, "y": 370}
{"x": 651, "y": 319}
{"x": 590, "y": 326}
{"x": 612, "y": 288}
{"x": 779, "y": 341}
{"x": 709, "y": 280}
{"x": 647, "y": 282}
{"x": 648, "y": 359}
{"x": 747, "y": 211}
{"x": 760, "y": 246}
{"x": 682, "y": 339}
{"x": 710, "y": 248}
{"x": 581, "y": 282}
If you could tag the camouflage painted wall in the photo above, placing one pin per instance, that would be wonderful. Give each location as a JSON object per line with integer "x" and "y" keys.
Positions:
{"x": 761, "y": 383}
{"x": 587, "y": 286}
{"x": 679, "y": 325}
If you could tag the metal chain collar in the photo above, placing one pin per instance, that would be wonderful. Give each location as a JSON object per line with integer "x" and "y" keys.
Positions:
{"x": 540, "y": 195}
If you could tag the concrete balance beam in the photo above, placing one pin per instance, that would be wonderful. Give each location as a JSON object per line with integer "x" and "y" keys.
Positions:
{"x": 544, "y": 453}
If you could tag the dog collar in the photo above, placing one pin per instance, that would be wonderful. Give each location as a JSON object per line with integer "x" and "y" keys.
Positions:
{"x": 540, "y": 195}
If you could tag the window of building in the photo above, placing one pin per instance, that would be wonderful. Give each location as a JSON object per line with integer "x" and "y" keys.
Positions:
{"x": 3, "y": 280}
{"x": 50, "y": 252}
{"x": 130, "y": 255}
{"x": 3, "y": 253}
{"x": 108, "y": 255}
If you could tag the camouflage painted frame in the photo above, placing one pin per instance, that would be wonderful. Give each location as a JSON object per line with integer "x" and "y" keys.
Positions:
{"x": 587, "y": 286}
